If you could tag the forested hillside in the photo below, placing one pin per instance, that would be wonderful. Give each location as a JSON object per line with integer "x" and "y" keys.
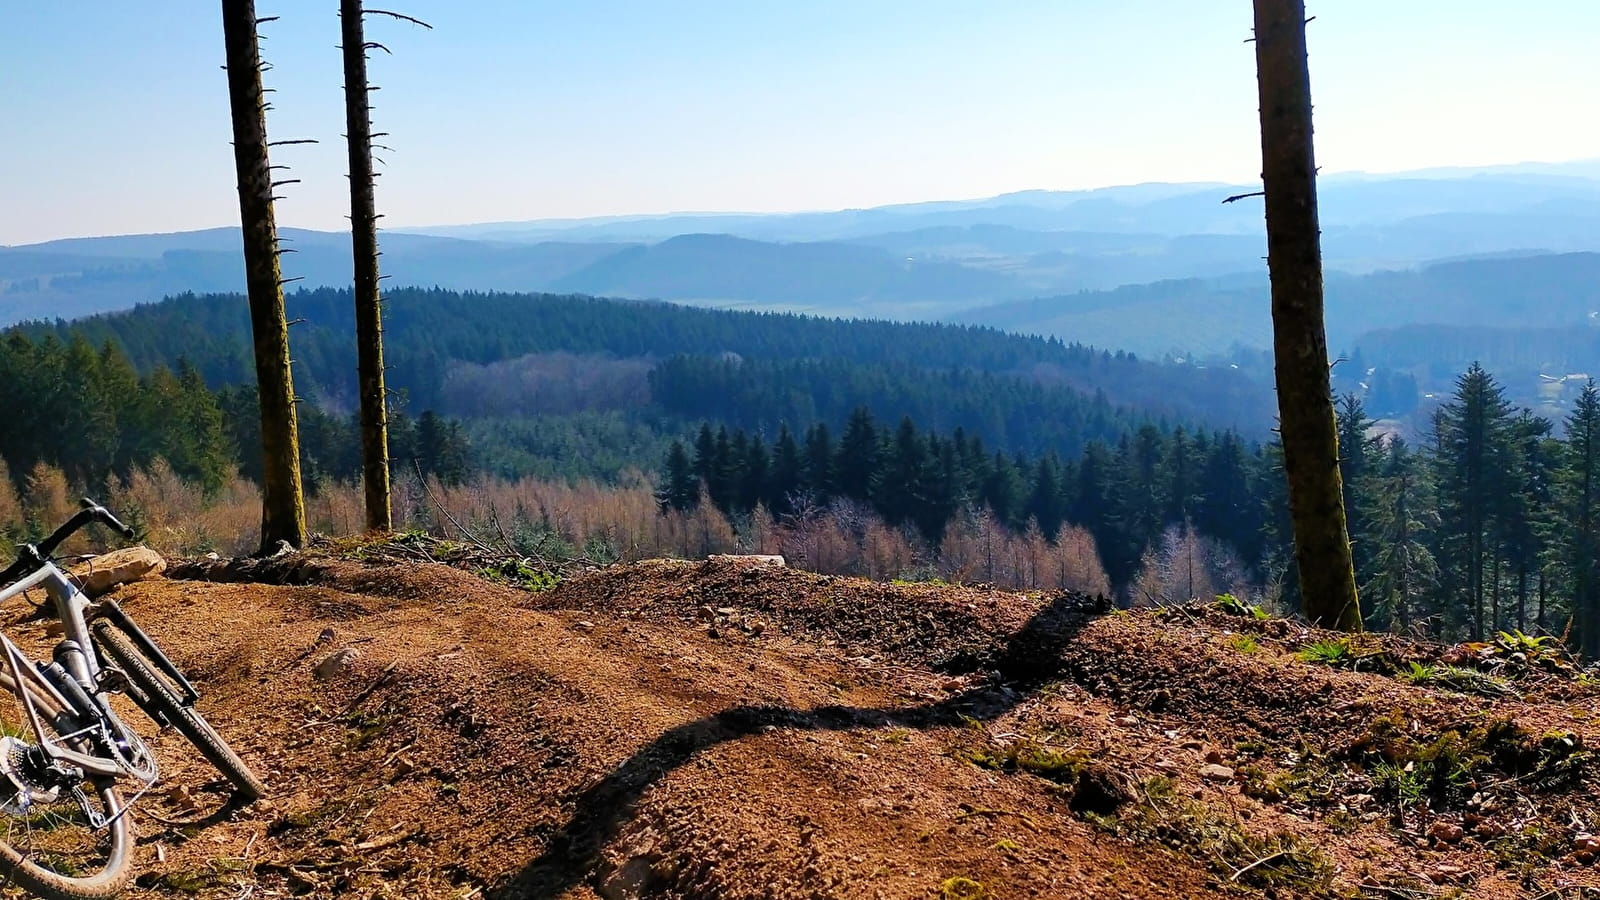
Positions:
{"x": 434, "y": 340}
{"x": 1490, "y": 523}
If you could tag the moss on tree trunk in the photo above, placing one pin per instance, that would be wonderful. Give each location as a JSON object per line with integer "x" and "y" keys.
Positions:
{"x": 283, "y": 512}
{"x": 1300, "y": 344}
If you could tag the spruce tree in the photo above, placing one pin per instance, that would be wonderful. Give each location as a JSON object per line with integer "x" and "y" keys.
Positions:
{"x": 1401, "y": 521}
{"x": 857, "y": 462}
{"x": 680, "y": 489}
{"x": 1473, "y": 462}
{"x": 787, "y": 476}
{"x": 1357, "y": 451}
{"x": 1580, "y": 506}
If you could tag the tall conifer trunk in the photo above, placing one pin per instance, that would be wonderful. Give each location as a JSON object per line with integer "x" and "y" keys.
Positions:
{"x": 1300, "y": 345}
{"x": 364, "y": 249}
{"x": 283, "y": 510}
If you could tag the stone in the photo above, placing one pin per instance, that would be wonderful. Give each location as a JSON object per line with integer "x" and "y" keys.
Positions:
{"x": 757, "y": 559}
{"x": 1215, "y": 772}
{"x": 1586, "y": 842}
{"x": 1446, "y": 832}
{"x": 108, "y": 570}
{"x": 337, "y": 663}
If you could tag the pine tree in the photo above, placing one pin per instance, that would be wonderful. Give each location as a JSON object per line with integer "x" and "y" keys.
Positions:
{"x": 756, "y": 471}
{"x": 680, "y": 489}
{"x": 1183, "y": 488}
{"x": 787, "y": 476}
{"x": 705, "y": 455}
{"x": 819, "y": 478}
{"x": 1356, "y": 452}
{"x": 1473, "y": 460}
{"x": 1580, "y": 506}
{"x": 900, "y": 485}
{"x": 1401, "y": 521}
{"x": 1522, "y": 525}
{"x": 1045, "y": 505}
{"x": 857, "y": 463}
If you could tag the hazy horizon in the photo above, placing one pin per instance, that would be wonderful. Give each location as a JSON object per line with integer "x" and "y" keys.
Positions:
{"x": 520, "y": 111}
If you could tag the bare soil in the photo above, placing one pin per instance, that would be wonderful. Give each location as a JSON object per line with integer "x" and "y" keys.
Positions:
{"x": 726, "y": 730}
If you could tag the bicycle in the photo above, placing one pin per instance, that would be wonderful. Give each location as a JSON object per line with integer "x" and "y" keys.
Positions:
{"x": 65, "y": 755}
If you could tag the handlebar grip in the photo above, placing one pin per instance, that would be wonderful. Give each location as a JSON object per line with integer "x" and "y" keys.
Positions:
{"x": 106, "y": 518}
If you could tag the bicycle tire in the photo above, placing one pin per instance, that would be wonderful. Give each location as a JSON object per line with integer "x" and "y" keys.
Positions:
{"x": 19, "y": 866}
{"x": 186, "y": 719}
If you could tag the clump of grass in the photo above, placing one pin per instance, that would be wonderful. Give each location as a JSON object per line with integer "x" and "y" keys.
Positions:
{"x": 1233, "y": 606}
{"x": 1275, "y": 861}
{"x": 1335, "y": 652}
{"x": 1007, "y": 846}
{"x": 1446, "y": 767}
{"x": 1160, "y": 787}
{"x": 1456, "y": 678}
{"x": 1310, "y": 782}
{"x": 961, "y": 888}
{"x": 521, "y": 575}
{"x": 1030, "y": 756}
{"x": 1524, "y": 850}
{"x": 1244, "y": 643}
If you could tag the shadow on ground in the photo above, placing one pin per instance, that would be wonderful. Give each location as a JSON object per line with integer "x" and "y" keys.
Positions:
{"x": 1026, "y": 661}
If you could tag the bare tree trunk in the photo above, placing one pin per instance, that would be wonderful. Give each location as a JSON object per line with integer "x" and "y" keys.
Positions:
{"x": 283, "y": 512}
{"x": 1300, "y": 344}
{"x": 1539, "y": 620}
{"x": 1522, "y": 595}
{"x": 364, "y": 248}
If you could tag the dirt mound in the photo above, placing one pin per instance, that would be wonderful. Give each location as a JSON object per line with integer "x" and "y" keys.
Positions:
{"x": 700, "y": 730}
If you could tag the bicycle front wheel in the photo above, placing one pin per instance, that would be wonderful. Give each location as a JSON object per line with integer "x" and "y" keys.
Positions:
{"x": 62, "y": 835}
{"x": 163, "y": 701}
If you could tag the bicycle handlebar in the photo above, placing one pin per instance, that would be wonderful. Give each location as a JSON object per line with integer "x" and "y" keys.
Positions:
{"x": 32, "y": 557}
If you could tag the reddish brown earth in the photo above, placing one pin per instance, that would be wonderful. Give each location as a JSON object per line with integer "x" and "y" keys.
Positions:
{"x": 721, "y": 730}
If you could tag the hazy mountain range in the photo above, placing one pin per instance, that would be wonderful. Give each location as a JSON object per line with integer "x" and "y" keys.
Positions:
{"x": 1425, "y": 269}
{"x": 922, "y": 260}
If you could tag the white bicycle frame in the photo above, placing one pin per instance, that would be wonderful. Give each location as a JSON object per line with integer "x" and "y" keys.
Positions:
{"x": 71, "y": 607}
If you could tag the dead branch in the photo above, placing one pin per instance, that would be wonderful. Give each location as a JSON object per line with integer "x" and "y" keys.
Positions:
{"x": 1262, "y": 861}
{"x": 1243, "y": 196}
{"x": 394, "y": 15}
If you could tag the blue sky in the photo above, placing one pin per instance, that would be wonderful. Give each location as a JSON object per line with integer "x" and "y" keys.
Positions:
{"x": 115, "y": 114}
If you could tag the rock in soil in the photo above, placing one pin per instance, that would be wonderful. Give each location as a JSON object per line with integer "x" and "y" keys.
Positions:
{"x": 108, "y": 570}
